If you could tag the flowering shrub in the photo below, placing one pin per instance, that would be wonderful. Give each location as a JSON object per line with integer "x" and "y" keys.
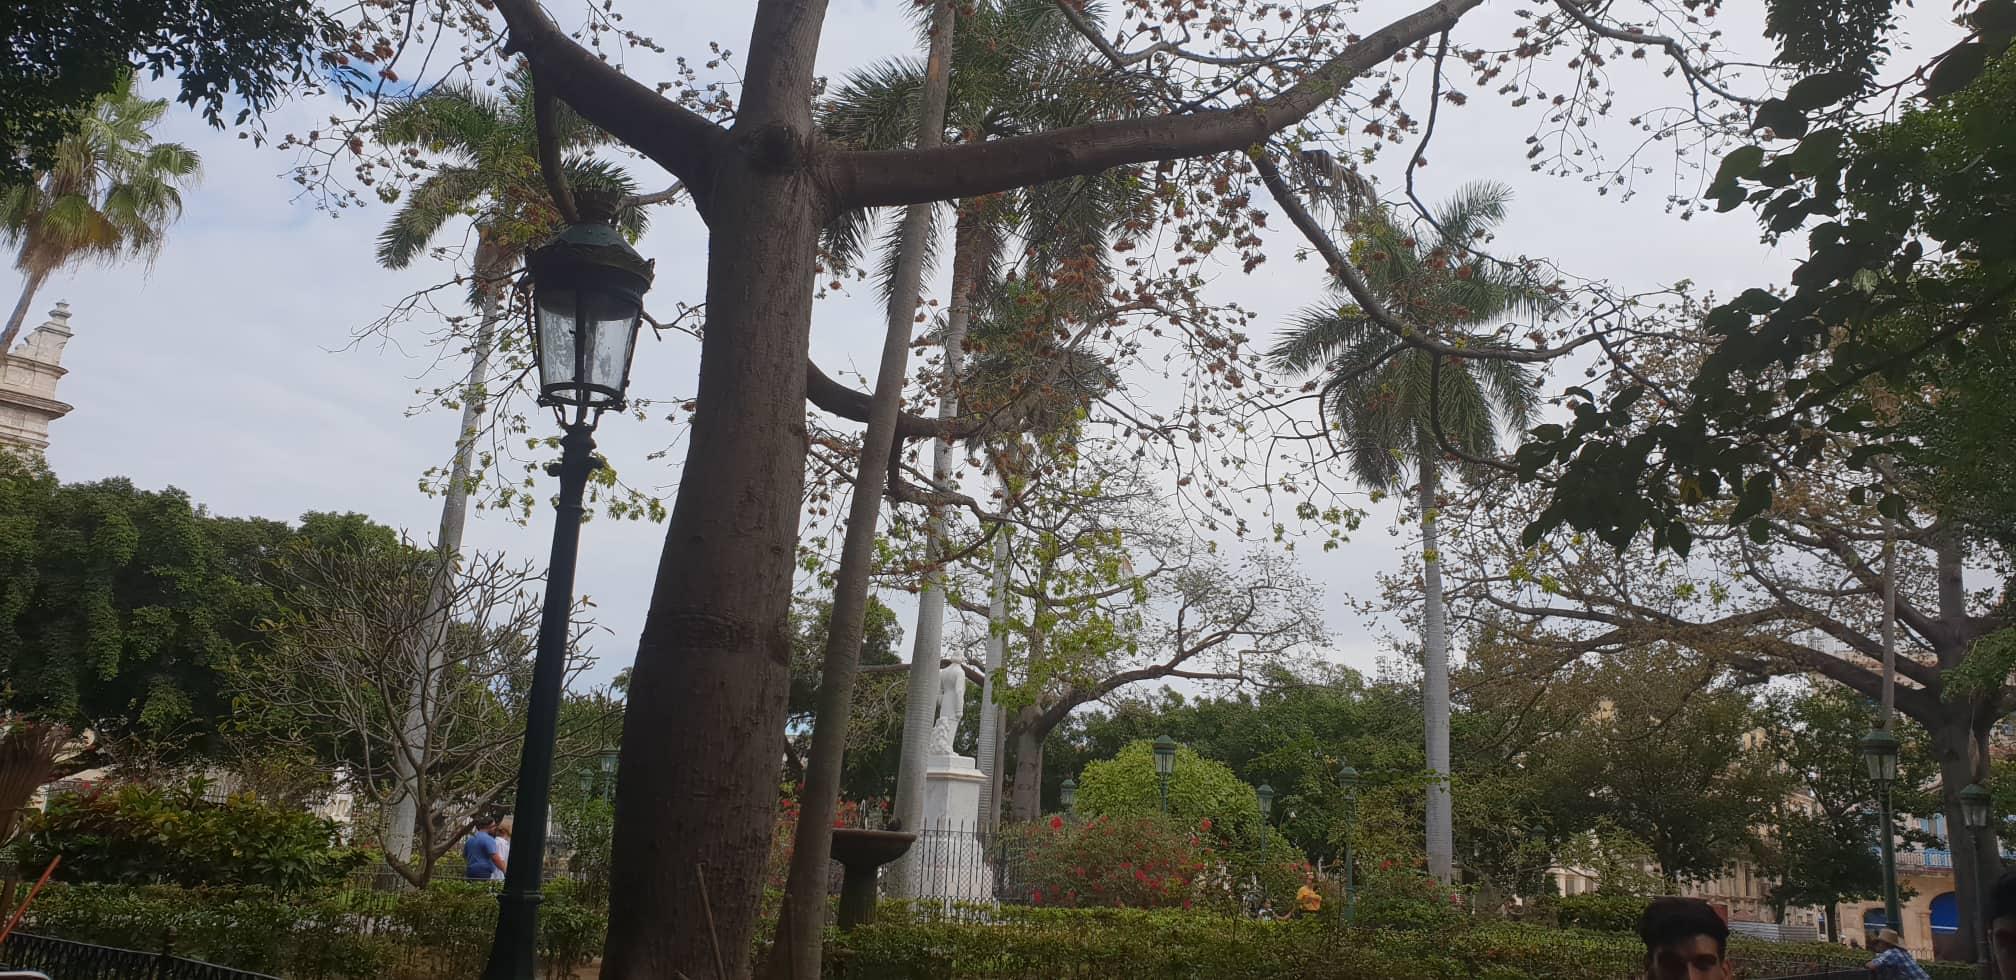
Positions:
{"x": 851, "y": 813}
{"x": 1135, "y": 863}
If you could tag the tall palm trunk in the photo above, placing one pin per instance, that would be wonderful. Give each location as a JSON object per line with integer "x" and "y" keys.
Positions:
{"x": 802, "y": 919}
{"x": 410, "y": 762}
{"x": 1435, "y": 680}
{"x": 31, "y": 285}
{"x": 990, "y": 713}
{"x": 970, "y": 241}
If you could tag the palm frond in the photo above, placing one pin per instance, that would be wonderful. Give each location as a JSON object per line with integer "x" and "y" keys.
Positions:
{"x": 448, "y": 192}
{"x": 1318, "y": 336}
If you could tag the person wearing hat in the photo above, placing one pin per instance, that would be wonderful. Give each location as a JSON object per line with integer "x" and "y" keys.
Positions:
{"x": 1893, "y": 961}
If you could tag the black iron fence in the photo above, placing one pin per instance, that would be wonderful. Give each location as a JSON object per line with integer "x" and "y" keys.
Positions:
{"x": 67, "y": 960}
{"x": 956, "y": 866}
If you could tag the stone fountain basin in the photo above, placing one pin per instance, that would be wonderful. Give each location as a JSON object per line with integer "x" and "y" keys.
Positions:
{"x": 867, "y": 850}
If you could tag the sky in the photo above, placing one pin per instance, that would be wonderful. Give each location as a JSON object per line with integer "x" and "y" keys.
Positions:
{"x": 228, "y": 367}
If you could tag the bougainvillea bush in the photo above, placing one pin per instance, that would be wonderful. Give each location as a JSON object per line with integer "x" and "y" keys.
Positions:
{"x": 1140, "y": 863}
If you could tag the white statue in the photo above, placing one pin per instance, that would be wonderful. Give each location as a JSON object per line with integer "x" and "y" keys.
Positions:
{"x": 951, "y": 705}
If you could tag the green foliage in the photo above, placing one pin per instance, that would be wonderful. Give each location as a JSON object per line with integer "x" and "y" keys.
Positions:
{"x": 875, "y": 730}
{"x": 1907, "y": 287}
{"x": 441, "y": 931}
{"x": 1125, "y": 787}
{"x": 590, "y": 829}
{"x": 1377, "y": 390}
{"x": 67, "y": 53}
{"x": 1401, "y": 895}
{"x": 135, "y": 835}
{"x": 119, "y": 605}
{"x": 1042, "y": 944}
{"x": 1601, "y": 911}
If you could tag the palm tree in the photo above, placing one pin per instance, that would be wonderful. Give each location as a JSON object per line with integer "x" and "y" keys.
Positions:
{"x": 1388, "y": 400}
{"x": 490, "y": 174}
{"x": 110, "y": 194}
{"x": 1017, "y": 66}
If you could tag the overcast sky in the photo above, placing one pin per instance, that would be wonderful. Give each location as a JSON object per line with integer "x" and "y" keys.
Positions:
{"x": 226, "y": 369}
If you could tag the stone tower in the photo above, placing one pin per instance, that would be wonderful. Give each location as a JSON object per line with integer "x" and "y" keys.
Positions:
{"x": 28, "y": 379}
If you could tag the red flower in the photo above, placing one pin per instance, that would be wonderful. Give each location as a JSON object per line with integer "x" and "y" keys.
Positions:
{"x": 1207, "y": 823}
{"x": 1056, "y": 823}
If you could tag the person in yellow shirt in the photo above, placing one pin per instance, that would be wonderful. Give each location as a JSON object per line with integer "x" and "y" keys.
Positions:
{"x": 1307, "y": 901}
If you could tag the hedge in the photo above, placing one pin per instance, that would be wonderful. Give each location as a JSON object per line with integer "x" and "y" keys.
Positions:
{"x": 1170, "y": 945}
{"x": 333, "y": 935}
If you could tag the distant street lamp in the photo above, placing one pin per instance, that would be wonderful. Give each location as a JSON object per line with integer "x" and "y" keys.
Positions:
{"x": 606, "y": 763}
{"x": 1976, "y": 806}
{"x": 1067, "y": 795}
{"x": 1879, "y": 752}
{"x": 1165, "y": 765}
{"x": 1347, "y": 779}
{"x": 586, "y": 301}
{"x": 1265, "y": 794}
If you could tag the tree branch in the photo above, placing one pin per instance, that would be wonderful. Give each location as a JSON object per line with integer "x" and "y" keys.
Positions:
{"x": 865, "y": 178}
{"x": 678, "y": 139}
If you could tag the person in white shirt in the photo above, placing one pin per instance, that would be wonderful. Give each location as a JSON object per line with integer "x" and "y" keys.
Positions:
{"x": 503, "y": 849}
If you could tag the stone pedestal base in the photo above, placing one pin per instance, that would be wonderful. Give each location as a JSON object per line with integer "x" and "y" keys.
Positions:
{"x": 950, "y": 856}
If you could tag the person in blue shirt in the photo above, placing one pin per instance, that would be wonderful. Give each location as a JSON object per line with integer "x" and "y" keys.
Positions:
{"x": 480, "y": 854}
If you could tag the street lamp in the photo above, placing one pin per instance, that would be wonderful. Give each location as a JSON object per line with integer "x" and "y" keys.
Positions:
{"x": 1067, "y": 795}
{"x": 606, "y": 762}
{"x": 586, "y": 301}
{"x": 1265, "y": 794}
{"x": 1165, "y": 764}
{"x": 1975, "y": 806}
{"x": 1879, "y": 751}
{"x": 1347, "y": 779}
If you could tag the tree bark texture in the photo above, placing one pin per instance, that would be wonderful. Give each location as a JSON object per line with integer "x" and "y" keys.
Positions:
{"x": 990, "y": 713}
{"x": 1961, "y": 747}
{"x": 801, "y": 923}
{"x": 1027, "y": 803}
{"x": 1435, "y": 683}
{"x": 921, "y": 695}
{"x": 408, "y": 766}
{"x": 29, "y": 287}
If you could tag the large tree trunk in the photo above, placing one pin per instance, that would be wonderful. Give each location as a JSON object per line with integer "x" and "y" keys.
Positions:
{"x": 1833, "y": 922}
{"x": 801, "y": 922}
{"x": 1435, "y": 683}
{"x": 704, "y": 725}
{"x": 1027, "y": 803}
{"x": 969, "y": 241}
{"x": 1961, "y": 746}
{"x": 29, "y": 287}
{"x": 407, "y": 765}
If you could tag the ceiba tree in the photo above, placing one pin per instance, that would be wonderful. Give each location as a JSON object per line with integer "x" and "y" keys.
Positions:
{"x": 709, "y": 687}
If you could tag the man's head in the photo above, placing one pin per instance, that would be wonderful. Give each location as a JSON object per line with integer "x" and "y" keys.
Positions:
{"x": 2002, "y": 925}
{"x": 486, "y": 823}
{"x": 1885, "y": 939}
{"x": 1684, "y": 940}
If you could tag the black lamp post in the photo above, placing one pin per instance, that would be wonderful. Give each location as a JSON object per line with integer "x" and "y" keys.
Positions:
{"x": 1265, "y": 794}
{"x": 1067, "y": 795}
{"x": 587, "y": 292}
{"x": 606, "y": 763}
{"x": 1165, "y": 764}
{"x": 1879, "y": 751}
{"x": 1347, "y": 779}
{"x": 1976, "y": 804}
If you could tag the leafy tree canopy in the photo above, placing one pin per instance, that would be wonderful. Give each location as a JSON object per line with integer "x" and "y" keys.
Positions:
{"x": 119, "y": 605}
{"x": 1199, "y": 789}
{"x": 63, "y": 54}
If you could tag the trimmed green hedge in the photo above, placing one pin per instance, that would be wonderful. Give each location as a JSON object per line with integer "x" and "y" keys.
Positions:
{"x": 1170, "y": 945}
{"x": 443, "y": 931}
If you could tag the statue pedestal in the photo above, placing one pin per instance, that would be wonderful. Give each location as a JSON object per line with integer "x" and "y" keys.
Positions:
{"x": 950, "y": 855}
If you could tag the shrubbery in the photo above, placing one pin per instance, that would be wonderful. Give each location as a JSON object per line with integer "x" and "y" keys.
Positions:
{"x": 139, "y": 835}
{"x": 1597, "y": 910}
{"x": 442, "y": 931}
{"x": 1140, "y": 863}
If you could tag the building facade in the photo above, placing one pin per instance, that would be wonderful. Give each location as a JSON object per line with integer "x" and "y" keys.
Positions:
{"x": 28, "y": 377}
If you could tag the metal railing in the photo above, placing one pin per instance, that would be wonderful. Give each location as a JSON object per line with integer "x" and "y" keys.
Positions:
{"x": 84, "y": 961}
{"x": 961, "y": 866}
